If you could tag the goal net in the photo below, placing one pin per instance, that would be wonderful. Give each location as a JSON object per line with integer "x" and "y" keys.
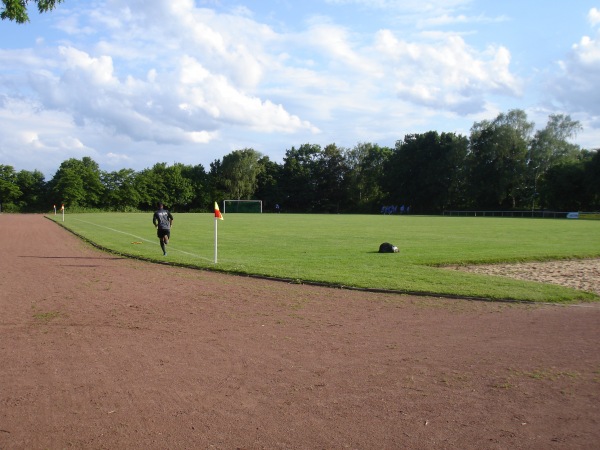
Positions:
{"x": 242, "y": 206}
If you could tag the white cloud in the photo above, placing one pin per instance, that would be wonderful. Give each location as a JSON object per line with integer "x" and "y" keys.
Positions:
{"x": 450, "y": 19}
{"x": 93, "y": 71}
{"x": 447, "y": 74}
{"x": 118, "y": 158}
{"x": 217, "y": 97}
{"x": 405, "y": 5}
{"x": 164, "y": 106}
{"x": 42, "y": 137}
{"x": 334, "y": 43}
{"x": 594, "y": 16}
{"x": 575, "y": 88}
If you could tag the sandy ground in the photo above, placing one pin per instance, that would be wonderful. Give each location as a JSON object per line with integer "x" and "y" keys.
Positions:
{"x": 102, "y": 352}
{"x": 578, "y": 274}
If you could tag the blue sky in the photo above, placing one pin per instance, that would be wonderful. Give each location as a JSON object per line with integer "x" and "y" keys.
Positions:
{"x": 132, "y": 83}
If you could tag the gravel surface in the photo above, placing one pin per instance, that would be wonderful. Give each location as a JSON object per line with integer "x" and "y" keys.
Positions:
{"x": 102, "y": 352}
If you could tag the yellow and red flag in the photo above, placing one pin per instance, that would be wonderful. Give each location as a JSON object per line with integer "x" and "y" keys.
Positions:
{"x": 218, "y": 214}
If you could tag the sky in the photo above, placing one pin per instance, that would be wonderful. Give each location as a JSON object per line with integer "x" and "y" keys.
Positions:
{"x": 132, "y": 83}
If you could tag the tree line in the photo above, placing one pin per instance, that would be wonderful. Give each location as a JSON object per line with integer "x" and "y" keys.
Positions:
{"x": 502, "y": 165}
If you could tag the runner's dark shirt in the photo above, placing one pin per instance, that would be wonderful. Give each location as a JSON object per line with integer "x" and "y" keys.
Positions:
{"x": 162, "y": 217}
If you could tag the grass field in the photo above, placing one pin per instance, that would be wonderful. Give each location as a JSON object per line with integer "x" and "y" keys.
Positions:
{"x": 342, "y": 250}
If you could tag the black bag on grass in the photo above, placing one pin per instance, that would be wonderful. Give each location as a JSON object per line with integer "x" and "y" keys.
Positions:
{"x": 386, "y": 247}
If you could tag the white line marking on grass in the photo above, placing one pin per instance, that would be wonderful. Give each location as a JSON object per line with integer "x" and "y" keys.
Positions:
{"x": 142, "y": 239}
{"x": 112, "y": 229}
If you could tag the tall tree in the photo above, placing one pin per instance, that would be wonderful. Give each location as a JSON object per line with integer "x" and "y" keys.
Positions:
{"x": 9, "y": 190}
{"x": 120, "y": 192}
{"x": 216, "y": 181}
{"x": 592, "y": 181}
{"x": 268, "y": 182}
{"x": 498, "y": 160}
{"x": 82, "y": 185}
{"x": 33, "y": 187}
{"x": 367, "y": 166}
{"x": 201, "y": 199}
{"x": 563, "y": 187}
{"x": 573, "y": 184}
{"x": 427, "y": 171}
{"x": 68, "y": 188}
{"x": 17, "y": 9}
{"x": 166, "y": 184}
{"x": 240, "y": 170}
{"x": 331, "y": 176}
{"x": 550, "y": 147}
{"x": 299, "y": 178}
{"x": 179, "y": 191}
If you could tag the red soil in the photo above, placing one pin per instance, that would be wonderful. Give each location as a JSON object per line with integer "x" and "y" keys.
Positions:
{"x": 103, "y": 352}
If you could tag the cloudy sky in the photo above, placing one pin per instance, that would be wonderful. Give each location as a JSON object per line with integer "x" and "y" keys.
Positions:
{"x": 134, "y": 82}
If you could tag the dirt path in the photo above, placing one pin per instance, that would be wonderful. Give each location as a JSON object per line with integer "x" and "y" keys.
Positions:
{"x": 100, "y": 352}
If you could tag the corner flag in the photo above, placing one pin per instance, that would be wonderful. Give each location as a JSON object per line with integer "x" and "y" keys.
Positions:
{"x": 218, "y": 214}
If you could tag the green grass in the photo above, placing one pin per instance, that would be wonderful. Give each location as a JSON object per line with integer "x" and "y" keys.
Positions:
{"x": 342, "y": 250}
{"x": 47, "y": 316}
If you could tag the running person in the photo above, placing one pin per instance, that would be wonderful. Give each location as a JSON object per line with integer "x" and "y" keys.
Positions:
{"x": 163, "y": 221}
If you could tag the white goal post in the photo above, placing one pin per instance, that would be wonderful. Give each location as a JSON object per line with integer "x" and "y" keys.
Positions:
{"x": 242, "y": 206}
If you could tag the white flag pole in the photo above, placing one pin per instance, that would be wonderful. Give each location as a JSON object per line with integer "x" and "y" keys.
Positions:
{"x": 216, "y": 226}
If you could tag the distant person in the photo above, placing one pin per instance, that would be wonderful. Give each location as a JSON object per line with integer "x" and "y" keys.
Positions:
{"x": 277, "y": 208}
{"x": 163, "y": 221}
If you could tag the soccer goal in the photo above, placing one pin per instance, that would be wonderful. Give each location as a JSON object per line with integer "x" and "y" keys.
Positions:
{"x": 242, "y": 206}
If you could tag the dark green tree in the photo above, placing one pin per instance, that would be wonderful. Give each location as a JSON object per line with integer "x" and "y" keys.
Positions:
{"x": 497, "y": 162}
{"x": 33, "y": 188}
{"x": 166, "y": 184}
{"x": 300, "y": 177}
{"x": 592, "y": 181}
{"x": 573, "y": 184}
{"x": 148, "y": 186}
{"x": 563, "y": 187}
{"x": 332, "y": 179}
{"x": 367, "y": 166}
{"x": 268, "y": 181}
{"x": 550, "y": 147}
{"x": 216, "y": 182}
{"x": 179, "y": 189}
{"x": 9, "y": 189}
{"x": 120, "y": 192}
{"x": 199, "y": 179}
{"x": 427, "y": 171}
{"x": 68, "y": 188}
{"x": 239, "y": 171}
{"x": 81, "y": 185}
{"x": 17, "y": 9}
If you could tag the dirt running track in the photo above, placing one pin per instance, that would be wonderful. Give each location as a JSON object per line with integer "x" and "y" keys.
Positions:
{"x": 101, "y": 352}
